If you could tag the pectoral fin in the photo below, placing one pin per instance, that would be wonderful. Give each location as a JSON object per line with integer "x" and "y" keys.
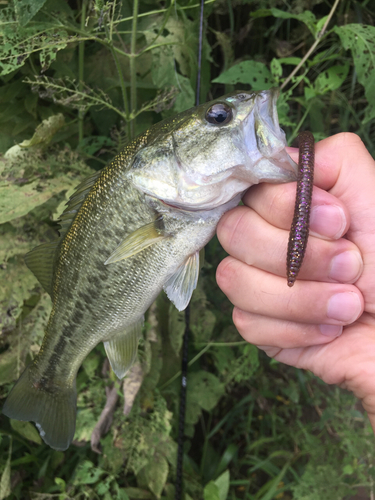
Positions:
{"x": 122, "y": 349}
{"x": 138, "y": 240}
{"x": 181, "y": 285}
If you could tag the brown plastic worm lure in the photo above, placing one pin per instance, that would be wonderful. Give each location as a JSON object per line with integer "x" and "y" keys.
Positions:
{"x": 299, "y": 231}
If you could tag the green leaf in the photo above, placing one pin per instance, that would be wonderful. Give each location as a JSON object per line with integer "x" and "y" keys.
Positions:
{"x": 252, "y": 73}
{"x": 60, "y": 483}
{"x": 222, "y": 483}
{"x": 307, "y": 17}
{"x": 156, "y": 473}
{"x": 87, "y": 473}
{"x": 90, "y": 145}
{"x": 202, "y": 319}
{"x": 228, "y": 455}
{"x": 176, "y": 328}
{"x": 290, "y": 60}
{"x": 175, "y": 44}
{"x": 203, "y": 392}
{"x": 360, "y": 39}
{"x": 5, "y": 489}
{"x": 211, "y": 491}
{"x": 27, "y": 430}
{"x": 283, "y": 110}
{"x": 90, "y": 364}
{"x": 186, "y": 98}
{"x": 19, "y": 42}
{"x": 331, "y": 79}
{"x": 320, "y": 24}
{"x": 16, "y": 201}
{"x": 8, "y": 364}
{"x": 309, "y": 93}
{"x": 276, "y": 69}
{"x": 85, "y": 424}
{"x": 348, "y": 470}
{"x": 28, "y": 179}
{"x": 16, "y": 283}
{"x": 26, "y": 9}
{"x": 138, "y": 493}
{"x": 42, "y": 136}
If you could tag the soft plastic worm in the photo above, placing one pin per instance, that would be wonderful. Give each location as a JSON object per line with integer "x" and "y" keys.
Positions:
{"x": 299, "y": 231}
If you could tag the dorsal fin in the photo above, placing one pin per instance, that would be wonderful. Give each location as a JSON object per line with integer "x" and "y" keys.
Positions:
{"x": 75, "y": 202}
{"x": 42, "y": 258}
{"x": 40, "y": 262}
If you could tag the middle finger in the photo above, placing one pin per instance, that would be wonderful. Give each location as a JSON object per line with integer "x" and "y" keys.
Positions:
{"x": 246, "y": 236}
{"x": 260, "y": 292}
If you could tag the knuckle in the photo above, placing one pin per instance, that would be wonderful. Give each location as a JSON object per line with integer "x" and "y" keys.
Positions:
{"x": 240, "y": 320}
{"x": 226, "y": 274}
{"x": 348, "y": 138}
{"x": 232, "y": 227}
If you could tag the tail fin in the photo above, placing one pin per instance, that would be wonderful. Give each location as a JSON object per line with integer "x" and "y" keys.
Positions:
{"x": 52, "y": 408}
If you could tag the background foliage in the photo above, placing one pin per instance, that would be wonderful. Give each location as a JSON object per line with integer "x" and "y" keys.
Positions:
{"x": 78, "y": 80}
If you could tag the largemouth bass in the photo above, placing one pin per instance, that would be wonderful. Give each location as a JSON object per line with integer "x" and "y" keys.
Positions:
{"x": 133, "y": 229}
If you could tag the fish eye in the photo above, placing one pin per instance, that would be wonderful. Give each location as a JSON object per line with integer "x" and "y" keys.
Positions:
{"x": 219, "y": 114}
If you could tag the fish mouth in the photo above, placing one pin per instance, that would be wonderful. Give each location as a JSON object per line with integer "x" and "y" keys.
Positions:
{"x": 265, "y": 142}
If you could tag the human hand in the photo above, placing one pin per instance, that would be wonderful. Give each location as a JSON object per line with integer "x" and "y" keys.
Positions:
{"x": 326, "y": 322}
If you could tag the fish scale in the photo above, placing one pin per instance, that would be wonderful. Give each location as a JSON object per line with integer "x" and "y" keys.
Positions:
{"x": 137, "y": 228}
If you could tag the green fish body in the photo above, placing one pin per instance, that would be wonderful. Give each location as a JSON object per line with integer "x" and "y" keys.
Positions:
{"x": 134, "y": 229}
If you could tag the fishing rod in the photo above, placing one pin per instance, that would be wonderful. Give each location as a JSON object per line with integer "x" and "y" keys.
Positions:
{"x": 185, "y": 342}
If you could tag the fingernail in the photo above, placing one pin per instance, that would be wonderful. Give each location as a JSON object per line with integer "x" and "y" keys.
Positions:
{"x": 346, "y": 267}
{"x": 331, "y": 330}
{"x": 328, "y": 221}
{"x": 344, "y": 307}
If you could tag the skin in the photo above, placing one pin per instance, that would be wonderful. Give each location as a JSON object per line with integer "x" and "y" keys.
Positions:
{"x": 326, "y": 322}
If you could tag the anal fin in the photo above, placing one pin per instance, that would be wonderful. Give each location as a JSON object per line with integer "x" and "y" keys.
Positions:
{"x": 122, "y": 349}
{"x": 179, "y": 288}
{"x": 138, "y": 240}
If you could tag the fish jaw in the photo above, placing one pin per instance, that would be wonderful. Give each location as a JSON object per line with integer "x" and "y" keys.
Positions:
{"x": 200, "y": 166}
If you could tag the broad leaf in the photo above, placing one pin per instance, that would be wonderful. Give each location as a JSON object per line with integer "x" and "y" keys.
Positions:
{"x": 20, "y": 42}
{"x": 222, "y": 483}
{"x": 203, "y": 392}
{"x": 306, "y": 17}
{"x": 156, "y": 473}
{"x": 331, "y": 79}
{"x": 252, "y": 73}
{"x": 360, "y": 39}
{"x": 26, "y": 9}
{"x": 211, "y": 491}
{"x": 87, "y": 473}
{"x": 27, "y": 430}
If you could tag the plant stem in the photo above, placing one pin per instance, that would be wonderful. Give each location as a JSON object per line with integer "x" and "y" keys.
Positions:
{"x": 114, "y": 51}
{"x": 81, "y": 60}
{"x": 191, "y": 362}
{"x": 205, "y": 444}
{"x": 123, "y": 90}
{"x": 296, "y": 130}
{"x": 133, "y": 74}
{"x": 319, "y": 36}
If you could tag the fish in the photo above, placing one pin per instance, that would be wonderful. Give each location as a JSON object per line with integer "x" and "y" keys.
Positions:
{"x": 134, "y": 229}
